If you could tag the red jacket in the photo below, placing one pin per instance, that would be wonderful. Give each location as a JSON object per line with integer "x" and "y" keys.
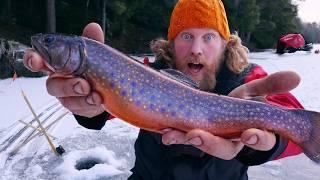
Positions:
{"x": 284, "y": 100}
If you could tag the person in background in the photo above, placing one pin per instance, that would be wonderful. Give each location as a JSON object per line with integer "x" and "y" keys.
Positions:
{"x": 200, "y": 46}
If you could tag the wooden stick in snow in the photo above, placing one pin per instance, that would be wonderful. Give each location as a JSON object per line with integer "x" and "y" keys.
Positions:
{"x": 38, "y": 129}
{"x": 53, "y": 148}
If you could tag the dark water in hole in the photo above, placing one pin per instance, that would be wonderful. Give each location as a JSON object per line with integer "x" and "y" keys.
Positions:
{"x": 87, "y": 163}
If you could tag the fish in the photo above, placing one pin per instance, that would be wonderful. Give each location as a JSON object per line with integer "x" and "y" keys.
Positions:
{"x": 153, "y": 100}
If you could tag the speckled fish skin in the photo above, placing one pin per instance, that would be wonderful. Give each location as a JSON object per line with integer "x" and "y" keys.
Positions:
{"x": 150, "y": 100}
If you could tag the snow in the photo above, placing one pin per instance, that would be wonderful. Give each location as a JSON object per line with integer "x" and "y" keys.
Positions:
{"x": 111, "y": 148}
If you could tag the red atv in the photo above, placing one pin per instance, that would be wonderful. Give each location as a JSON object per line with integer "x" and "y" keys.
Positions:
{"x": 291, "y": 43}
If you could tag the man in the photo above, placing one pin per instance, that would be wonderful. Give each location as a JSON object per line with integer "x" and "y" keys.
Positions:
{"x": 199, "y": 45}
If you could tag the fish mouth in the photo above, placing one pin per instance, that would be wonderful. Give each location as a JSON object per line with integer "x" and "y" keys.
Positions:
{"x": 36, "y": 45}
{"x": 195, "y": 67}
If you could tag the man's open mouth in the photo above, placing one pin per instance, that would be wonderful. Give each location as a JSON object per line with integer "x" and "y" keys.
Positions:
{"x": 195, "y": 67}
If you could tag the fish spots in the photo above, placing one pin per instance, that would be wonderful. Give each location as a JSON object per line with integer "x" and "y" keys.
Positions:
{"x": 122, "y": 81}
{"x": 124, "y": 93}
{"x": 138, "y": 103}
{"x": 162, "y": 110}
{"x": 141, "y": 91}
{"x": 112, "y": 85}
{"x": 181, "y": 107}
{"x": 112, "y": 74}
{"x": 133, "y": 84}
{"x": 152, "y": 97}
{"x": 151, "y": 106}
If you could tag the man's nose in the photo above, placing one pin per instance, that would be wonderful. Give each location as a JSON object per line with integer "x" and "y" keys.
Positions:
{"x": 196, "y": 48}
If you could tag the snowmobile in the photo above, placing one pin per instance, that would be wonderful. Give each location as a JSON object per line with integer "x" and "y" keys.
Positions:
{"x": 290, "y": 43}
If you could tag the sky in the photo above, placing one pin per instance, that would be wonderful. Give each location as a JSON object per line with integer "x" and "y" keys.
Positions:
{"x": 308, "y": 10}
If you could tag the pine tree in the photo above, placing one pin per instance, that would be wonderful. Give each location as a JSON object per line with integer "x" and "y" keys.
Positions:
{"x": 248, "y": 17}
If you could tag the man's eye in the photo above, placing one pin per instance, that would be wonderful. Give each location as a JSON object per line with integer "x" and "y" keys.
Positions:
{"x": 186, "y": 36}
{"x": 209, "y": 37}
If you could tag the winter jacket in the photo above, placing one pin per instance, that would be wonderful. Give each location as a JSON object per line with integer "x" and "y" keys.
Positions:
{"x": 156, "y": 161}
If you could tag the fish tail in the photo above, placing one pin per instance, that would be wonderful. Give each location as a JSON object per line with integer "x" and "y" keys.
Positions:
{"x": 311, "y": 147}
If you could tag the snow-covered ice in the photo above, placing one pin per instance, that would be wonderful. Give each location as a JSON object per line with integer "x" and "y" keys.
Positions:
{"x": 111, "y": 149}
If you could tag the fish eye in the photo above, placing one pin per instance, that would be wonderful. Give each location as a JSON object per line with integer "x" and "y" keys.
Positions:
{"x": 48, "y": 39}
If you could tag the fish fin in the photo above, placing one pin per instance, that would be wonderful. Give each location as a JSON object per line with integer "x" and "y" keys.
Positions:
{"x": 311, "y": 147}
{"x": 179, "y": 76}
{"x": 258, "y": 99}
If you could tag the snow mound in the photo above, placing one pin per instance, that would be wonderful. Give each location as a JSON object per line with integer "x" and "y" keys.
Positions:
{"x": 95, "y": 163}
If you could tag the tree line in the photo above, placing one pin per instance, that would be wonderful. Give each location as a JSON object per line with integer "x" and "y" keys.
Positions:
{"x": 130, "y": 25}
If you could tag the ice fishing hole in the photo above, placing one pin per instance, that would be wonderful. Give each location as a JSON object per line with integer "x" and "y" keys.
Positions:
{"x": 87, "y": 163}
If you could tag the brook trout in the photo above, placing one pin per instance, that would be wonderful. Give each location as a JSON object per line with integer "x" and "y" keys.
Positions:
{"x": 154, "y": 101}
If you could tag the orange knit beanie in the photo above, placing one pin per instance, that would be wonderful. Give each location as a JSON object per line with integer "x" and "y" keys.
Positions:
{"x": 199, "y": 14}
